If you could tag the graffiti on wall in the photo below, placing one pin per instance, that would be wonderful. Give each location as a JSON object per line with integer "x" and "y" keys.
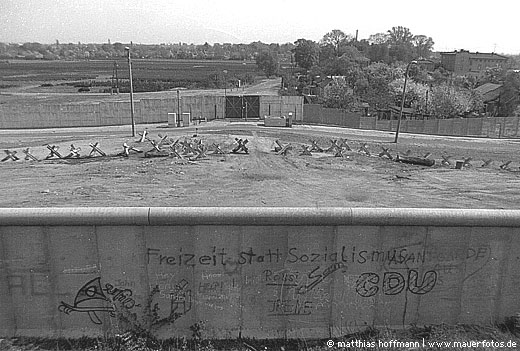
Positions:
{"x": 405, "y": 256}
{"x": 92, "y": 299}
{"x": 394, "y": 283}
{"x": 300, "y": 289}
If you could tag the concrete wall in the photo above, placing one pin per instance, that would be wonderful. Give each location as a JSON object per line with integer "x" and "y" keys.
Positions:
{"x": 255, "y": 272}
{"x": 108, "y": 113}
{"x": 146, "y": 111}
{"x": 278, "y": 106}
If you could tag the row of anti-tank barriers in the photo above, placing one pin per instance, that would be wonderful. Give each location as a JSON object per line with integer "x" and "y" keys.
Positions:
{"x": 194, "y": 149}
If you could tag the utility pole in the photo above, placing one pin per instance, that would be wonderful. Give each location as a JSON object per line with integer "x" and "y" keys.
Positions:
{"x": 225, "y": 91}
{"x": 178, "y": 108}
{"x": 131, "y": 90}
{"x": 115, "y": 77}
{"x": 402, "y": 100}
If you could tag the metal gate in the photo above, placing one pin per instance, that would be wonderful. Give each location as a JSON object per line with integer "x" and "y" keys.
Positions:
{"x": 246, "y": 106}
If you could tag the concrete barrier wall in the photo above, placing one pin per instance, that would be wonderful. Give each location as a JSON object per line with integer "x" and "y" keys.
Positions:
{"x": 255, "y": 272}
{"x": 108, "y": 113}
{"x": 145, "y": 111}
{"x": 278, "y": 106}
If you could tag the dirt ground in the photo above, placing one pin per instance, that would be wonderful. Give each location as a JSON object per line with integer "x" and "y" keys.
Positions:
{"x": 260, "y": 178}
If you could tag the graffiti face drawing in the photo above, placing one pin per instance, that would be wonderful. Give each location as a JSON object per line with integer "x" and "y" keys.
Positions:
{"x": 90, "y": 299}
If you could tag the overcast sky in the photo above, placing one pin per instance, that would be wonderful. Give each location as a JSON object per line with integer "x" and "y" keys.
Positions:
{"x": 484, "y": 26}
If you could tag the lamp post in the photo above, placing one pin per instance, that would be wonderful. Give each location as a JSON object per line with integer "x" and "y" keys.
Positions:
{"x": 402, "y": 100}
{"x": 225, "y": 85}
{"x": 225, "y": 91}
{"x": 127, "y": 49}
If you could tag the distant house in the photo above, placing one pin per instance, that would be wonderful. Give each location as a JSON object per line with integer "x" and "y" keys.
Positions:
{"x": 491, "y": 97}
{"x": 427, "y": 65}
{"x": 393, "y": 112}
{"x": 316, "y": 89}
{"x": 463, "y": 62}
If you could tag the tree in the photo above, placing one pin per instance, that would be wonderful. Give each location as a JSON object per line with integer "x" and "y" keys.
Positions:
{"x": 510, "y": 97}
{"x": 423, "y": 45}
{"x": 415, "y": 96}
{"x": 450, "y": 102}
{"x": 400, "y": 41}
{"x": 377, "y": 91}
{"x": 400, "y": 35}
{"x": 339, "y": 95}
{"x": 306, "y": 53}
{"x": 378, "y": 38}
{"x": 379, "y": 53}
{"x": 336, "y": 39}
{"x": 267, "y": 62}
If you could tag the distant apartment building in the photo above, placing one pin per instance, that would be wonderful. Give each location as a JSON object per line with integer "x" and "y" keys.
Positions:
{"x": 463, "y": 62}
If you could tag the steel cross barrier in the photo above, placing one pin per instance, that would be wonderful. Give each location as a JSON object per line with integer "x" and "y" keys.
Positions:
{"x": 217, "y": 150}
{"x": 173, "y": 151}
{"x": 333, "y": 147}
{"x": 188, "y": 148}
{"x": 487, "y": 163}
{"x": 11, "y": 155}
{"x": 127, "y": 149}
{"x": 285, "y": 149}
{"x": 143, "y": 136}
{"x": 200, "y": 153}
{"x": 279, "y": 146}
{"x": 29, "y": 156}
{"x": 363, "y": 148}
{"x": 344, "y": 145}
{"x": 53, "y": 152}
{"x": 339, "y": 152}
{"x": 241, "y": 146}
{"x": 505, "y": 165}
{"x": 386, "y": 153}
{"x": 156, "y": 145}
{"x": 315, "y": 146}
{"x": 306, "y": 151}
{"x": 446, "y": 160}
{"x": 74, "y": 152}
{"x": 95, "y": 149}
{"x": 336, "y": 148}
{"x": 163, "y": 139}
{"x": 157, "y": 151}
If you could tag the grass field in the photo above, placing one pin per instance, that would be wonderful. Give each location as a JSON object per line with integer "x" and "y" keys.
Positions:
{"x": 148, "y": 75}
{"x": 19, "y": 71}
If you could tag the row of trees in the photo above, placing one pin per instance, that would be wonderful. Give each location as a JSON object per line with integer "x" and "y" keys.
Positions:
{"x": 372, "y": 71}
{"x": 80, "y": 51}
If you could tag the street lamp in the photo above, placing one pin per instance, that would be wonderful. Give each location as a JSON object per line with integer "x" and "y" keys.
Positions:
{"x": 225, "y": 85}
{"x": 127, "y": 49}
{"x": 402, "y": 99}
